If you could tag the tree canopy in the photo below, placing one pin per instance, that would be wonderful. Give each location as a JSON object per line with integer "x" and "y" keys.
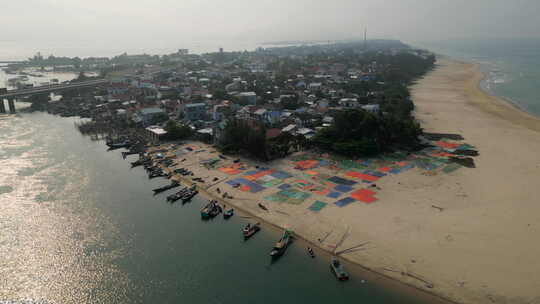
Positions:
{"x": 358, "y": 132}
{"x": 176, "y": 131}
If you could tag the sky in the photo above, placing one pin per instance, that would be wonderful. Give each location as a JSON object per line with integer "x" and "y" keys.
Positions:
{"x": 104, "y": 27}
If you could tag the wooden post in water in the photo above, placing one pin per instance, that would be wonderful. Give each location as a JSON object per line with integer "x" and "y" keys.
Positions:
{"x": 11, "y": 103}
{"x": 2, "y": 106}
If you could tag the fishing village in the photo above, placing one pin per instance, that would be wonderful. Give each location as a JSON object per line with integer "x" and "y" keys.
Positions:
{"x": 308, "y": 140}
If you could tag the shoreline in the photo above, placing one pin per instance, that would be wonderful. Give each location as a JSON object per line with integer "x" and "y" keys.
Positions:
{"x": 500, "y": 104}
{"x": 460, "y": 251}
{"x": 451, "y": 99}
{"x": 407, "y": 200}
{"x": 354, "y": 267}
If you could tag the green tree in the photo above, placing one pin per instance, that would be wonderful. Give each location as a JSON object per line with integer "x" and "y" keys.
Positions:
{"x": 358, "y": 132}
{"x": 240, "y": 136}
{"x": 176, "y": 131}
{"x": 159, "y": 118}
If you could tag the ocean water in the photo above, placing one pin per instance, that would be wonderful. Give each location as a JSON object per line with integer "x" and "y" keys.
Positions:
{"x": 18, "y": 51}
{"x": 77, "y": 225}
{"x": 511, "y": 66}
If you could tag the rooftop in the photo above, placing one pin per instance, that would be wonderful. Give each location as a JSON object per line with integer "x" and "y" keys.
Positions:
{"x": 147, "y": 111}
{"x": 247, "y": 94}
{"x": 194, "y": 105}
{"x": 156, "y": 130}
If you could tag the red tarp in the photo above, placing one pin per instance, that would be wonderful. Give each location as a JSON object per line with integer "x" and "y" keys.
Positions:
{"x": 442, "y": 154}
{"x": 306, "y": 164}
{"x": 364, "y": 195}
{"x": 446, "y": 145}
{"x": 362, "y": 176}
{"x": 232, "y": 170}
{"x": 262, "y": 173}
{"x": 365, "y": 192}
{"x": 322, "y": 192}
{"x": 385, "y": 169}
{"x": 365, "y": 199}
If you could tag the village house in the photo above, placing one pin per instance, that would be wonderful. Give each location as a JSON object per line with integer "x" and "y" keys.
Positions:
{"x": 220, "y": 111}
{"x": 249, "y": 98}
{"x": 289, "y": 129}
{"x": 267, "y": 117}
{"x": 372, "y": 108}
{"x": 147, "y": 115}
{"x": 155, "y": 133}
{"x": 195, "y": 111}
{"x": 349, "y": 102}
{"x": 118, "y": 88}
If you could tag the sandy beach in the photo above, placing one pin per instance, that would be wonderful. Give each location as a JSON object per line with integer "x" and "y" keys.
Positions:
{"x": 466, "y": 235}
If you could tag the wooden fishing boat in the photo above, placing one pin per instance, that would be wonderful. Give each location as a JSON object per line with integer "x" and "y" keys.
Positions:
{"x": 228, "y": 213}
{"x": 281, "y": 246}
{"x": 178, "y": 195}
{"x": 249, "y": 230}
{"x": 190, "y": 194}
{"x": 210, "y": 210}
{"x": 338, "y": 270}
{"x": 173, "y": 184}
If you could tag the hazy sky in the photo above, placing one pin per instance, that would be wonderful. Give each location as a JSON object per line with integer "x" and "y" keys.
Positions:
{"x": 102, "y": 26}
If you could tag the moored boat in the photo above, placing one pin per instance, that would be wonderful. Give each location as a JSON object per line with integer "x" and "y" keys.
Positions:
{"x": 190, "y": 194}
{"x": 227, "y": 214}
{"x": 173, "y": 184}
{"x": 178, "y": 195}
{"x": 311, "y": 253}
{"x": 118, "y": 145}
{"x": 281, "y": 246}
{"x": 250, "y": 229}
{"x": 338, "y": 270}
{"x": 211, "y": 210}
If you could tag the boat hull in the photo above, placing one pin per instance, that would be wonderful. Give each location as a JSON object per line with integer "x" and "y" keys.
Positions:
{"x": 251, "y": 232}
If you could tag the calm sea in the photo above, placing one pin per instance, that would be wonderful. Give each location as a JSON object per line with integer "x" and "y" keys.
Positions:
{"x": 512, "y": 66}
{"x": 77, "y": 225}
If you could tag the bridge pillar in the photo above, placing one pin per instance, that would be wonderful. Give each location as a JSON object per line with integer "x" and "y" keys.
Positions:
{"x": 2, "y": 106}
{"x": 11, "y": 103}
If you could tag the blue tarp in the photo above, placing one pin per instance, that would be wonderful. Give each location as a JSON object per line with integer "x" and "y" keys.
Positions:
{"x": 284, "y": 186}
{"x": 407, "y": 167}
{"x": 254, "y": 187}
{"x": 342, "y": 181}
{"x": 334, "y": 194}
{"x": 343, "y": 188}
{"x": 344, "y": 202}
{"x": 374, "y": 173}
{"x": 281, "y": 175}
{"x": 324, "y": 163}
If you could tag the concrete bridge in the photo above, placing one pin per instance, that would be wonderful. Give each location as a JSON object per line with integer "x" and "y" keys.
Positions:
{"x": 11, "y": 95}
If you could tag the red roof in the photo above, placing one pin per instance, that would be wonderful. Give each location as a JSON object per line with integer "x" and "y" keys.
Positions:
{"x": 271, "y": 133}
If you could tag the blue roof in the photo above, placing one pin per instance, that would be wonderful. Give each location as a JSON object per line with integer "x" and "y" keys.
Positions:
{"x": 274, "y": 113}
{"x": 147, "y": 111}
